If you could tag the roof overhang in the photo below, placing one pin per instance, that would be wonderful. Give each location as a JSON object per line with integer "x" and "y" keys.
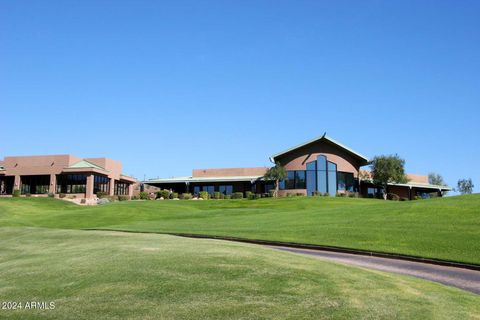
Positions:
{"x": 325, "y": 138}
{"x": 83, "y": 170}
{"x": 203, "y": 179}
{"x": 128, "y": 178}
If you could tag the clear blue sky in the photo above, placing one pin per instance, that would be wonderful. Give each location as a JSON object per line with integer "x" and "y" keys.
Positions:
{"x": 167, "y": 86}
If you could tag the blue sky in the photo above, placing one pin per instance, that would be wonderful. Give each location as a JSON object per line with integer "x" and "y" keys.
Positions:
{"x": 167, "y": 86}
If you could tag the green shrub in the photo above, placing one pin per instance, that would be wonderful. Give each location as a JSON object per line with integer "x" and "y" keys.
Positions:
{"x": 258, "y": 196}
{"x": 144, "y": 195}
{"x": 228, "y": 196}
{"x": 237, "y": 195}
{"x": 250, "y": 195}
{"x": 217, "y": 195}
{"x": 291, "y": 194}
{"x": 16, "y": 193}
{"x": 51, "y": 195}
{"x": 101, "y": 194}
{"x": 111, "y": 198}
{"x": 62, "y": 195}
{"x": 300, "y": 194}
{"x": 204, "y": 195}
{"x": 271, "y": 193}
{"x": 174, "y": 195}
{"x": 326, "y": 194}
{"x": 123, "y": 198}
{"x": 28, "y": 194}
{"x": 316, "y": 194}
{"x": 165, "y": 194}
{"x": 186, "y": 196}
{"x": 135, "y": 197}
{"x": 403, "y": 199}
{"x": 103, "y": 201}
{"x": 353, "y": 195}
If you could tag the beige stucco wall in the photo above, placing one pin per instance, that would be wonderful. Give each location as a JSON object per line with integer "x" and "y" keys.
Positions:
{"x": 229, "y": 172}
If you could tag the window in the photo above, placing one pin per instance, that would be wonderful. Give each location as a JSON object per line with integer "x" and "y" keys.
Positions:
{"x": 300, "y": 179}
{"x": 332, "y": 178}
{"x": 121, "y": 188}
{"x": 226, "y": 189}
{"x": 209, "y": 189}
{"x": 196, "y": 189}
{"x": 35, "y": 184}
{"x": 71, "y": 183}
{"x": 295, "y": 180}
{"x": 322, "y": 174}
{"x": 101, "y": 184}
{"x": 346, "y": 181}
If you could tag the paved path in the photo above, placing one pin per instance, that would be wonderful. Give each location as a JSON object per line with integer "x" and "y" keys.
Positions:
{"x": 456, "y": 277}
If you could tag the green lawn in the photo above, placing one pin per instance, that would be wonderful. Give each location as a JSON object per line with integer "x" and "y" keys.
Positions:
{"x": 115, "y": 275}
{"x": 444, "y": 228}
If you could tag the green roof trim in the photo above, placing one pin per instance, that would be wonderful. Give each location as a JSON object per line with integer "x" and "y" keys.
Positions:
{"x": 322, "y": 137}
{"x": 85, "y": 164}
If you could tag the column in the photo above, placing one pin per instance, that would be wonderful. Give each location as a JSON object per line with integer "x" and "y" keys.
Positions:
{"x": 112, "y": 187}
{"x": 53, "y": 184}
{"x": 16, "y": 183}
{"x": 89, "y": 191}
{"x": 130, "y": 190}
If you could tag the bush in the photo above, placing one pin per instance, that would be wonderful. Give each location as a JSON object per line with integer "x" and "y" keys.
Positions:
{"x": 341, "y": 194}
{"x": 353, "y": 195}
{"x": 165, "y": 194}
{"x": 186, "y": 196}
{"x": 228, "y": 196}
{"x": 403, "y": 199}
{"x": 299, "y": 194}
{"x": 316, "y": 194}
{"x": 123, "y": 198}
{"x": 16, "y": 193}
{"x": 326, "y": 194}
{"x": 101, "y": 194}
{"x": 217, "y": 195}
{"x": 393, "y": 196}
{"x": 271, "y": 193}
{"x": 51, "y": 195}
{"x": 174, "y": 195}
{"x": 62, "y": 195}
{"x": 250, "y": 195}
{"x": 103, "y": 201}
{"x": 111, "y": 198}
{"x": 237, "y": 195}
{"x": 204, "y": 195}
{"x": 144, "y": 195}
{"x": 28, "y": 194}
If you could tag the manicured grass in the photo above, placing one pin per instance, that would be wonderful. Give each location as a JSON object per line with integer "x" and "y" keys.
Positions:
{"x": 444, "y": 228}
{"x": 115, "y": 275}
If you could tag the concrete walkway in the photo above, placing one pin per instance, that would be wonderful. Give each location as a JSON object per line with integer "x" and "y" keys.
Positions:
{"x": 465, "y": 279}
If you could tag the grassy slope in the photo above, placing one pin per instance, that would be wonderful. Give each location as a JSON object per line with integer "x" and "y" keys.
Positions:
{"x": 93, "y": 274}
{"x": 447, "y": 228}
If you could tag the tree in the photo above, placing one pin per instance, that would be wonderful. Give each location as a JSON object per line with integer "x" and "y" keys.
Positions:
{"x": 436, "y": 179}
{"x": 465, "y": 186}
{"x": 276, "y": 173}
{"x": 388, "y": 169}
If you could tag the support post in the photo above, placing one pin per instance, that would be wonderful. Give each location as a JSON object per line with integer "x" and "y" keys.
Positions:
{"x": 111, "y": 191}
{"x": 52, "y": 188}
{"x": 89, "y": 191}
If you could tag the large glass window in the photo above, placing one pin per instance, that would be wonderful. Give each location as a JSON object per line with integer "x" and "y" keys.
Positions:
{"x": 120, "y": 188}
{"x": 35, "y": 184}
{"x": 196, "y": 189}
{"x": 332, "y": 178}
{"x": 209, "y": 189}
{"x": 71, "y": 183}
{"x": 295, "y": 180}
{"x": 311, "y": 177}
{"x": 322, "y": 174}
{"x": 228, "y": 189}
{"x": 101, "y": 184}
{"x": 346, "y": 182}
{"x": 300, "y": 179}
{"x": 290, "y": 182}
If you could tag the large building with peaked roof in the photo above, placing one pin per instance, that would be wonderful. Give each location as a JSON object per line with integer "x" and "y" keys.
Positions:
{"x": 63, "y": 174}
{"x": 319, "y": 166}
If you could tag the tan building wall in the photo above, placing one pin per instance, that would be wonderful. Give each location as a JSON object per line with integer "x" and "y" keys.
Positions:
{"x": 229, "y": 172}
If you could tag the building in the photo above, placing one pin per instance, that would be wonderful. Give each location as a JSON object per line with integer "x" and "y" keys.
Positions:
{"x": 321, "y": 165}
{"x": 55, "y": 174}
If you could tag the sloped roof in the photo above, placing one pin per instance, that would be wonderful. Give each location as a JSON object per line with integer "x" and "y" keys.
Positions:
{"x": 85, "y": 164}
{"x": 322, "y": 137}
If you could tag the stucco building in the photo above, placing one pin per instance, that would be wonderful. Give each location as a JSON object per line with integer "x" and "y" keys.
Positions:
{"x": 55, "y": 174}
{"x": 321, "y": 165}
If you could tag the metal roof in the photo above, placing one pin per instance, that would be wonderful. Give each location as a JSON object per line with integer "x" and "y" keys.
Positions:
{"x": 84, "y": 164}
{"x": 325, "y": 137}
{"x": 421, "y": 185}
{"x": 203, "y": 179}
